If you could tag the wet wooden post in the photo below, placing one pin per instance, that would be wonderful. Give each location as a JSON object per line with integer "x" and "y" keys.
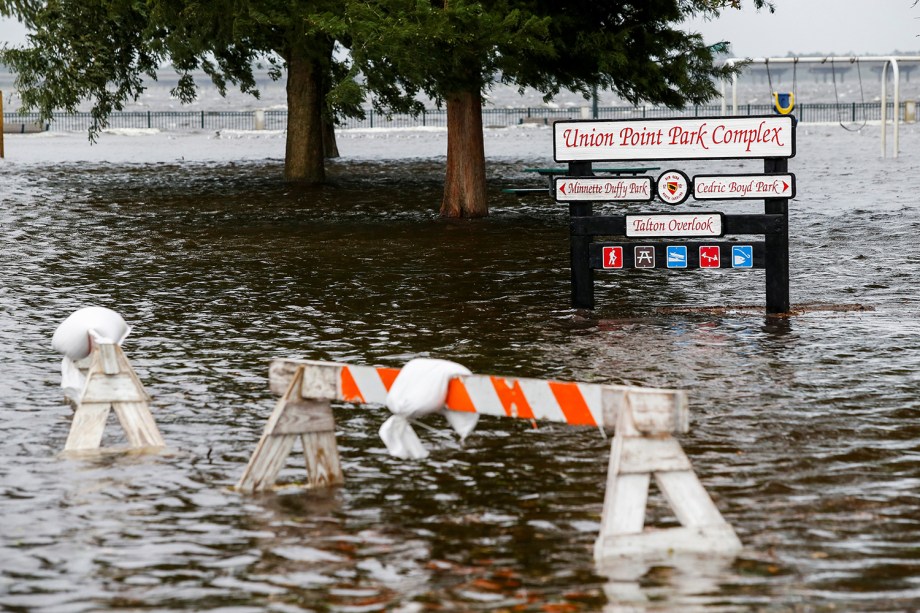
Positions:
{"x": 582, "y": 273}
{"x": 1, "y": 125}
{"x": 777, "y": 245}
{"x": 304, "y": 412}
{"x": 111, "y": 383}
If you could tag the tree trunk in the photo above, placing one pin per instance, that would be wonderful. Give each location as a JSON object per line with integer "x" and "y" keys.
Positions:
{"x": 465, "y": 183}
{"x": 304, "y": 150}
{"x": 330, "y": 147}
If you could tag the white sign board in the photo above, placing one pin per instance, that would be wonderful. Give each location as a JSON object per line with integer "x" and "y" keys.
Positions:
{"x": 619, "y": 189}
{"x": 735, "y": 187}
{"x": 683, "y": 225}
{"x": 699, "y": 138}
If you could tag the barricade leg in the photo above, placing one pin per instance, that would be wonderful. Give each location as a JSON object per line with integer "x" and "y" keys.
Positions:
{"x": 633, "y": 461}
{"x": 137, "y": 421}
{"x": 87, "y": 426}
{"x": 295, "y": 417}
{"x": 112, "y": 383}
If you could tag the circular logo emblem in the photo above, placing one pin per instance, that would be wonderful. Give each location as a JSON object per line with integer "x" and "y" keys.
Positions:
{"x": 673, "y": 187}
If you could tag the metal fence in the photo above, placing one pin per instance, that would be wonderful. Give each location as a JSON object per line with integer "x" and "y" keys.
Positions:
{"x": 851, "y": 113}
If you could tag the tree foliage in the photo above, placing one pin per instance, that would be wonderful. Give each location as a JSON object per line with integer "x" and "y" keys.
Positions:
{"x": 455, "y": 50}
{"x": 104, "y": 50}
{"x": 451, "y": 50}
{"x": 635, "y": 48}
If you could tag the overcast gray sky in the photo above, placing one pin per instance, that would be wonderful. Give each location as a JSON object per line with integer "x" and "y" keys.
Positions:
{"x": 841, "y": 27}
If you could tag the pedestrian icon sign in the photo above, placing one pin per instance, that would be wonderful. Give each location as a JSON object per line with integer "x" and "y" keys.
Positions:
{"x": 612, "y": 257}
{"x": 709, "y": 256}
{"x": 644, "y": 257}
{"x": 742, "y": 256}
{"x": 677, "y": 256}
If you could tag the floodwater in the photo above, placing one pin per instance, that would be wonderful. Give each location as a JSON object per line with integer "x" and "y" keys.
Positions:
{"x": 804, "y": 430}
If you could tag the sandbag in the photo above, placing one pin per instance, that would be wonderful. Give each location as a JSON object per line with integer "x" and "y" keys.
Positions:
{"x": 73, "y": 337}
{"x": 72, "y": 380}
{"x": 420, "y": 389}
{"x": 401, "y": 440}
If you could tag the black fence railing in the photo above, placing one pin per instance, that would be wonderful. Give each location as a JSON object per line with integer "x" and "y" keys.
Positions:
{"x": 849, "y": 113}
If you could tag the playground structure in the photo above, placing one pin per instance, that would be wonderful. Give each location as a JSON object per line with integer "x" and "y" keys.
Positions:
{"x": 887, "y": 61}
{"x": 644, "y": 420}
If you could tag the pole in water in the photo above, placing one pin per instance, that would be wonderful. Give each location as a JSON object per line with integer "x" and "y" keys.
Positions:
{"x": 1, "y": 124}
{"x": 581, "y": 273}
{"x": 777, "y": 245}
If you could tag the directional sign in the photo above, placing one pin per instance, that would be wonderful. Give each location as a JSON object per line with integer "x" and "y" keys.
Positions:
{"x": 742, "y": 187}
{"x": 685, "y": 224}
{"x": 700, "y": 138}
{"x": 620, "y": 189}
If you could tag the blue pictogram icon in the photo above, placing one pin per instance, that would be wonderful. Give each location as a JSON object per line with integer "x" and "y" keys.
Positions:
{"x": 677, "y": 256}
{"x": 742, "y": 256}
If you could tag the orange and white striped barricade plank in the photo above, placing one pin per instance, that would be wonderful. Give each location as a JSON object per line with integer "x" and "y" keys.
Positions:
{"x": 111, "y": 383}
{"x": 656, "y": 411}
{"x": 643, "y": 418}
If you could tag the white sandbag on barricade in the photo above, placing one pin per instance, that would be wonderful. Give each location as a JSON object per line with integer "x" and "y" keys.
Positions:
{"x": 420, "y": 389}
{"x": 74, "y": 339}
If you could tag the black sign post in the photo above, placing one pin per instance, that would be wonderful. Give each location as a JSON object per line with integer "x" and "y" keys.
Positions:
{"x": 777, "y": 245}
{"x": 657, "y": 240}
{"x": 582, "y": 274}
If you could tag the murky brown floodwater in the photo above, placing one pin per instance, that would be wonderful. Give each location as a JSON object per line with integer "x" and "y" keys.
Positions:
{"x": 805, "y": 431}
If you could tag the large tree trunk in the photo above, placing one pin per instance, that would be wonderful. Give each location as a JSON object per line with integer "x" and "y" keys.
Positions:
{"x": 465, "y": 183}
{"x": 330, "y": 146}
{"x": 304, "y": 159}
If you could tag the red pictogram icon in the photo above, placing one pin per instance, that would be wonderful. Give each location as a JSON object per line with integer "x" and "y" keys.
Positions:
{"x": 710, "y": 256}
{"x": 612, "y": 257}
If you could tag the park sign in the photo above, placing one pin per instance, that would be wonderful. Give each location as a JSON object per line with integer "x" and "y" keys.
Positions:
{"x": 700, "y": 138}
{"x": 692, "y": 239}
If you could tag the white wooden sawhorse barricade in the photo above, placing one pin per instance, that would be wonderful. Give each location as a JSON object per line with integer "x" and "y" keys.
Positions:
{"x": 111, "y": 383}
{"x": 643, "y": 419}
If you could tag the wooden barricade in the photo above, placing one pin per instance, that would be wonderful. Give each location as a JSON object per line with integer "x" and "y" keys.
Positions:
{"x": 643, "y": 418}
{"x": 111, "y": 383}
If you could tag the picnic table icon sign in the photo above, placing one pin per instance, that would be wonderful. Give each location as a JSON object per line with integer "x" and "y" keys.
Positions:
{"x": 644, "y": 257}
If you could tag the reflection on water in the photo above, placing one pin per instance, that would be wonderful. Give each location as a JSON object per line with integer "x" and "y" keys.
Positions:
{"x": 804, "y": 430}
